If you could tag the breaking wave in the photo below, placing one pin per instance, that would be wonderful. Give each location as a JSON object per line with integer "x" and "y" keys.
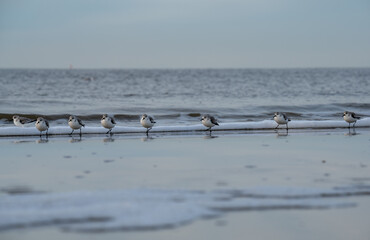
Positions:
{"x": 230, "y": 126}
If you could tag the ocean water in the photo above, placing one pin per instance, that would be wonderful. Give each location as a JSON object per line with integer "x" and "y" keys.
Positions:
{"x": 111, "y": 184}
{"x": 180, "y": 96}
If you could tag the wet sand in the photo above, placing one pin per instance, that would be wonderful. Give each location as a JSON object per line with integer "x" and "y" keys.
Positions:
{"x": 226, "y": 161}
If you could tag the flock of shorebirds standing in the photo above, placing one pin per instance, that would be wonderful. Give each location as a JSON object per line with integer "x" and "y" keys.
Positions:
{"x": 148, "y": 122}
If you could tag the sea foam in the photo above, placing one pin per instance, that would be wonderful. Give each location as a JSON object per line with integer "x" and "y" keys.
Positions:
{"x": 145, "y": 209}
{"x": 230, "y": 126}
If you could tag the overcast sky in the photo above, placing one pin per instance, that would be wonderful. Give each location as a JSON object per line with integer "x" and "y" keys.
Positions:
{"x": 184, "y": 33}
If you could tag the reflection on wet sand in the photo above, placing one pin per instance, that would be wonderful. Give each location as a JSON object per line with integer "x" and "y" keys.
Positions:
{"x": 147, "y": 138}
{"x": 75, "y": 140}
{"x": 351, "y": 132}
{"x": 108, "y": 139}
{"x": 42, "y": 140}
{"x": 210, "y": 136}
{"x": 282, "y": 133}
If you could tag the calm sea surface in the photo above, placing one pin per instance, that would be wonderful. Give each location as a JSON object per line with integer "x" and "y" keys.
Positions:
{"x": 180, "y": 96}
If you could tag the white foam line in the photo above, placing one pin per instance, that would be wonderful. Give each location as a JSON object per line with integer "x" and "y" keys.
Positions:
{"x": 152, "y": 209}
{"x": 262, "y": 125}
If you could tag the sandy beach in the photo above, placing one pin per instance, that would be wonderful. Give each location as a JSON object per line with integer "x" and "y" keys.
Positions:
{"x": 267, "y": 167}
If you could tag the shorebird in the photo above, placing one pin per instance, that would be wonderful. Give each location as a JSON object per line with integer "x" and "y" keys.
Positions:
{"x": 147, "y": 122}
{"x": 108, "y": 122}
{"x": 75, "y": 123}
{"x": 21, "y": 121}
{"x": 42, "y": 125}
{"x": 350, "y": 117}
{"x": 209, "y": 121}
{"x": 281, "y": 119}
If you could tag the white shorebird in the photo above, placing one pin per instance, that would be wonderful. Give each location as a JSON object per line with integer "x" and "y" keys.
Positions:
{"x": 108, "y": 122}
{"x": 209, "y": 121}
{"x": 42, "y": 125}
{"x": 21, "y": 121}
{"x": 350, "y": 117}
{"x": 147, "y": 122}
{"x": 281, "y": 119}
{"x": 75, "y": 123}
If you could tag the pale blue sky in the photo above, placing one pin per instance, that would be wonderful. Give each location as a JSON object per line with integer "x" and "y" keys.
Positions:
{"x": 184, "y": 34}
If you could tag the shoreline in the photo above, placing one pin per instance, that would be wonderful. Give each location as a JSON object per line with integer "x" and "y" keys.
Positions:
{"x": 190, "y": 134}
{"x": 266, "y": 125}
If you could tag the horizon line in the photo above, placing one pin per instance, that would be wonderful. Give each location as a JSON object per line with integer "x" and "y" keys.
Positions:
{"x": 174, "y": 68}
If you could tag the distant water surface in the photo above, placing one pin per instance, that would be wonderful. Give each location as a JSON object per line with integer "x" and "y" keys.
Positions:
{"x": 180, "y": 96}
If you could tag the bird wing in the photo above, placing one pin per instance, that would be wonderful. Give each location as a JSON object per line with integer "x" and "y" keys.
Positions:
{"x": 24, "y": 120}
{"x": 112, "y": 120}
{"x": 214, "y": 121}
{"x": 354, "y": 116}
{"x": 47, "y": 123}
{"x": 151, "y": 120}
{"x": 80, "y": 122}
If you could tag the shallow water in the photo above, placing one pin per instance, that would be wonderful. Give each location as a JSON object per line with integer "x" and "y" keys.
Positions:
{"x": 123, "y": 183}
{"x": 181, "y": 96}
